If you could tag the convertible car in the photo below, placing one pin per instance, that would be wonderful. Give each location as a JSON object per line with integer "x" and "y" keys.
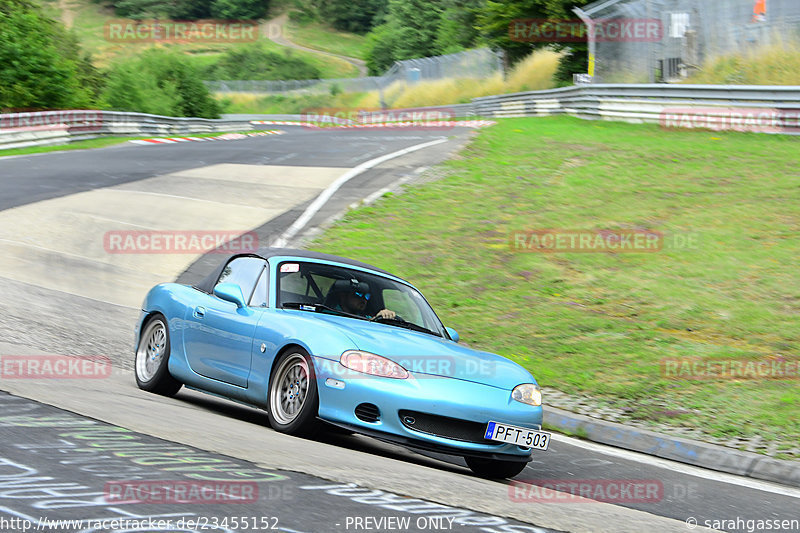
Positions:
{"x": 319, "y": 340}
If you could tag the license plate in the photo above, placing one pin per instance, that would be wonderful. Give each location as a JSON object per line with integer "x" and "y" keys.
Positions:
{"x": 529, "y": 438}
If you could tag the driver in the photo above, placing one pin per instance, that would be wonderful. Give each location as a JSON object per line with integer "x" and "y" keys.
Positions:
{"x": 354, "y": 301}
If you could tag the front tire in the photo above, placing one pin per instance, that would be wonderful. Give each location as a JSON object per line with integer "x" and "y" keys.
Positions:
{"x": 293, "y": 398}
{"x": 152, "y": 359}
{"x": 494, "y": 468}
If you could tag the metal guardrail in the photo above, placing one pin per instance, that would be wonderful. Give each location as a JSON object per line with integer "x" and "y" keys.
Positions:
{"x": 764, "y": 109}
{"x": 20, "y": 130}
{"x": 767, "y": 109}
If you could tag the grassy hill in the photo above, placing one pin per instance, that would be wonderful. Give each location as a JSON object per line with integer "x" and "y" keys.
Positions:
{"x": 321, "y": 37}
{"x": 88, "y": 20}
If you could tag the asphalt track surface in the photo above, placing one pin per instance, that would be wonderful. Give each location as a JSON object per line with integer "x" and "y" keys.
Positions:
{"x": 34, "y": 318}
{"x": 27, "y": 179}
{"x": 69, "y": 473}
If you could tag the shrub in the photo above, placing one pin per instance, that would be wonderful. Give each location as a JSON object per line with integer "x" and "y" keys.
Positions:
{"x": 161, "y": 83}
{"x": 255, "y": 62}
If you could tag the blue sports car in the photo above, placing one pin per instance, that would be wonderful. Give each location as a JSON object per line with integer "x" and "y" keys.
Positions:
{"x": 315, "y": 338}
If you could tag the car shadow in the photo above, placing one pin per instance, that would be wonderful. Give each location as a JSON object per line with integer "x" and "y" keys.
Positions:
{"x": 332, "y": 435}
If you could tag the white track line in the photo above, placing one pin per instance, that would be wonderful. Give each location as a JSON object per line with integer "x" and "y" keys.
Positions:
{"x": 695, "y": 471}
{"x": 326, "y": 195}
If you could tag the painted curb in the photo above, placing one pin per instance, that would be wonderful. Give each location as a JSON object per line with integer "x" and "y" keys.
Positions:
{"x": 223, "y": 137}
{"x": 441, "y": 124}
{"x": 687, "y": 451}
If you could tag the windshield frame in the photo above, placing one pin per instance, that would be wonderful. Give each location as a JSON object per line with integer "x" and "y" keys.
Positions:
{"x": 277, "y": 262}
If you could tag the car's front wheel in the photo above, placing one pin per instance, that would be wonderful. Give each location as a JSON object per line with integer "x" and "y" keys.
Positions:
{"x": 494, "y": 468}
{"x": 293, "y": 399}
{"x": 152, "y": 359}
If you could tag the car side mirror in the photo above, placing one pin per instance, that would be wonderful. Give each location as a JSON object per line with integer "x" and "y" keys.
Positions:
{"x": 453, "y": 334}
{"x": 230, "y": 292}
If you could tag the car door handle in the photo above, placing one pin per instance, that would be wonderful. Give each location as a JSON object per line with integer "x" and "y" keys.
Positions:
{"x": 199, "y": 312}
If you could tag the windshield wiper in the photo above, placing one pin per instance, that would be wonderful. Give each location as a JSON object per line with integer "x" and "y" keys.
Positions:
{"x": 315, "y": 308}
{"x": 407, "y": 325}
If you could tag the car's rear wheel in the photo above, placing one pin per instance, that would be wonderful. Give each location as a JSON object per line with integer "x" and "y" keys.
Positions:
{"x": 152, "y": 359}
{"x": 293, "y": 399}
{"x": 494, "y": 468}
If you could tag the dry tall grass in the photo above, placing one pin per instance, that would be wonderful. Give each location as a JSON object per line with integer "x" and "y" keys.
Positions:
{"x": 535, "y": 72}
{"x": 778, "y": 64}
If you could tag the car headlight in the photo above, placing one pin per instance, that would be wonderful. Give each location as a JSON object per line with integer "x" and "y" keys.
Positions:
{"x": 372, "y": 364}
{"x": 529, "y": 393}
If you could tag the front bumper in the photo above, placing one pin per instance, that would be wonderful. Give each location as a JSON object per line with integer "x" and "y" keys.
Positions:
{"x": 444, "y": 397}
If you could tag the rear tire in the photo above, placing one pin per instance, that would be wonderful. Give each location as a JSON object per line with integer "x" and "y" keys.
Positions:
{"x": 292, "y": 395}
{"x": 151, "y": 364}
{"x": 494, "y": 468}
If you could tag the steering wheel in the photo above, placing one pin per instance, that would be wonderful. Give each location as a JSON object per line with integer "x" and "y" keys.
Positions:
{"x": 397, "y": 318}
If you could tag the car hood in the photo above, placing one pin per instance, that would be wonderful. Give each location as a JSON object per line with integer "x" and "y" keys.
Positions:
{"x": 424, "y": 354}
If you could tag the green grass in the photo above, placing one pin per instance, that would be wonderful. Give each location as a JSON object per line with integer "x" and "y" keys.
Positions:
{"x": 578, "y": 433}
{"x": 600, "y": 324}
{"x": 78, "y": 145}
{"x": 322, "y": 37}
{"x": 101, "y": 142}
{"x": 329, "y": 67}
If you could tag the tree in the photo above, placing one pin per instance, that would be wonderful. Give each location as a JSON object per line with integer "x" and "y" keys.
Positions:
{"x": 159, "y": 82}
{"x": 139, "y": 9}
{"x": 380, "y": 49}
{"x": 357, "y": 16}
{"x": 41, "y": 64}
{"x": 411, "y": 30}
{"x": 457, "y": 29}
{"x": 187, "y": 9}
{"x": 416, "y": 24}
{"x": 192, "y": 9}
{"x": 239, "y": 9}
{"x": 494, "y": 19}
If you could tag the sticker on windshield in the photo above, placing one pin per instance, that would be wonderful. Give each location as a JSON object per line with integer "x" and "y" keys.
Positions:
{"x": 290, "y": 267}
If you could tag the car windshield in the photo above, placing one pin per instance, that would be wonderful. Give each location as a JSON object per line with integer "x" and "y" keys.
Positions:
{"x": 355, "y": 294}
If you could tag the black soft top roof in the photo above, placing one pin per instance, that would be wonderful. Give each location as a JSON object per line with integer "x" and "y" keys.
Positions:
{"x": 207, "y": 285}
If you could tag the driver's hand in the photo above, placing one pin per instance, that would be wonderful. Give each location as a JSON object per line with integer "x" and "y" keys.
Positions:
{"x": 385, "y": 313}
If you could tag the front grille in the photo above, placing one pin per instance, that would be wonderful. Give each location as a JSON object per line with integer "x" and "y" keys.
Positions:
{"x": 444, "y": 426}
{"x": 368, "y": 412}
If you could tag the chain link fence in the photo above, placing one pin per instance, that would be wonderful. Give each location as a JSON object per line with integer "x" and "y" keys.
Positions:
{"x": 479, "y": 63}
{"x": 691, "y": 32}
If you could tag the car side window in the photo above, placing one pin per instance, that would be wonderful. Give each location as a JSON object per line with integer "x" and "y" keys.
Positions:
{"x": 244, "y": 272}
{"x": 259, "y": 298}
